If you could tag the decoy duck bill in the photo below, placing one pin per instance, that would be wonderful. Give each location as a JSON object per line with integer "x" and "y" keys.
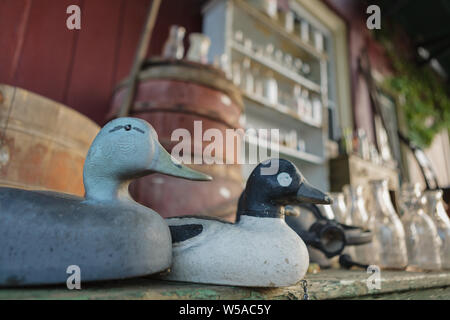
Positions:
{"x": 170, "y": 166}
{"x": 309, "y": 194}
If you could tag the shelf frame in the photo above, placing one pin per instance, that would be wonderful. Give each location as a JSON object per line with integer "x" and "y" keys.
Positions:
{"x": 297, "y": 154}
{"x": 269, "y": 22}
{"x": 280, "y": 109}
{"x": 282, "y": 71}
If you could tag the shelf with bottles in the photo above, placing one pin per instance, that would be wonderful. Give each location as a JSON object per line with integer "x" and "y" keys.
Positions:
{"x": 290, "y": 99}
{"x": 282, "y": 109}
{"x": 286, "y": 148}
{"x": 283, "y": 64}
{"x": 287, "y": 24}
{"x": 357, "y": 143}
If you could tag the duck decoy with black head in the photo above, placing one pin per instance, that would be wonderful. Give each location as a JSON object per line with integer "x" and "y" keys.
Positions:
{"x": 106, "y": 234}
{"x": 260, "y": 249}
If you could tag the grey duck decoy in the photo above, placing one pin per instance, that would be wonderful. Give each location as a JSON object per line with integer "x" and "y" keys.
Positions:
{"x": 106, "y": 233}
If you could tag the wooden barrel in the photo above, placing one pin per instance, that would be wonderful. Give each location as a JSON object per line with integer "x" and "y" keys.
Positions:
{"x": 174, "y": 95}
{"x": 42, "y": 143}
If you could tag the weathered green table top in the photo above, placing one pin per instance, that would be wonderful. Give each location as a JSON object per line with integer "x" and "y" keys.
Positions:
{"x": 329, "y": 284}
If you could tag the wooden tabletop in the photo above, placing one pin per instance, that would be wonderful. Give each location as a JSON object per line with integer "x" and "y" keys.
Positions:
{"x": 328, "y": 284}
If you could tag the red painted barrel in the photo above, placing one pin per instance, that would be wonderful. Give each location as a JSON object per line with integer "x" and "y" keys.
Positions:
{"x": 174, "y": 95}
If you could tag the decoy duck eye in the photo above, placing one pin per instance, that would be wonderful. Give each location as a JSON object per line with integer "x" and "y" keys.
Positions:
{"x": 128, "y": 127}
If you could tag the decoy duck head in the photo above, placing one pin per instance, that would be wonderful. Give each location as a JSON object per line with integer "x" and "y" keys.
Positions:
{"x": 268, "y": 191}
{"x": 125, "y": 149}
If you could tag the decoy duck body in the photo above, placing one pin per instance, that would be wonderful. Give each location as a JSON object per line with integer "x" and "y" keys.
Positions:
{"x": 106, "y": 234}
{"x": 260, "y": 249}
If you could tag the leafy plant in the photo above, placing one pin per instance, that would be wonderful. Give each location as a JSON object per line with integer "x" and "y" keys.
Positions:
{"x": 426, "y": 100}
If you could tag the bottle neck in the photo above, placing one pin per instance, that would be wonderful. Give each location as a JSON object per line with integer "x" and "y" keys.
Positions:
{"x": 382, "y": 204}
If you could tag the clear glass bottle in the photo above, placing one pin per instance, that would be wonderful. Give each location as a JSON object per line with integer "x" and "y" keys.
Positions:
{"x": 222, "y": 62}
{"x": 387, "y": 227}
{"x": 288, "y": 19}
{"x": 299, "y": 100}
{"x": 304, "y": 30}
{"x": 342, "y": 215}
{"x": 434, "y": 207}
{"x": 317, "y": 110}
{"x": 308, "y": 107}
{"x": 271, "y": 89}
{"x": 248, "y": 84}
{"x": 236, "y": 73}
{"x": 298, "y": 63}
{"x": 198, "y": 47}
{"x": 173, "y": 47}
{"x": 367, "y": 253}
{"x": 422, "y": 240}
{"x": 339, "y": 208}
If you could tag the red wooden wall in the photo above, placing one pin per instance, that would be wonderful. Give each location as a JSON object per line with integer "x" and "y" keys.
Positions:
{"x": 80, "y": 68}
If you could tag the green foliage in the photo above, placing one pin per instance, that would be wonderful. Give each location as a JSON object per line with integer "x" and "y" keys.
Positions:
{"x": 426, "y": 103}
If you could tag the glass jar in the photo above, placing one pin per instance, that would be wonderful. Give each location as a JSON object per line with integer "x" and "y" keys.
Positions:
{"x": 422, "y": 240}
{"x": 387, "y": 227}
{"x": 367, "y": 253}
{"x": 198, "y": 47}
{"x": 271, "y": 89}
{"x": 434, "y": 207}
{"x": 173, "y": 47}
{"x": 248, "y": 84}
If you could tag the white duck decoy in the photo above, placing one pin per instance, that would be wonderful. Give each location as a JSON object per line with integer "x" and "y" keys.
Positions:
{"x": 260, "y": 249}
{"x": 106, "y": 234}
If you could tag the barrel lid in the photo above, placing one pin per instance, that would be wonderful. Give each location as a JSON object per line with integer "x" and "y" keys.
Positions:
{"x": 189, "y": 71}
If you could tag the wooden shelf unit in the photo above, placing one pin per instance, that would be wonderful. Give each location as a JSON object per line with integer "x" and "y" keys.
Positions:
{"x": 221, "y": 20}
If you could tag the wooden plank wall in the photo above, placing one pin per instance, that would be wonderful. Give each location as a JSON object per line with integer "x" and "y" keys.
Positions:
{"x": 80, "y": 68}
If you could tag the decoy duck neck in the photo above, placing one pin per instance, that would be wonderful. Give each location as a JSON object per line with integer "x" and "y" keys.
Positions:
{"x": 105, "y": 188}
{"x": 258, "y": 205}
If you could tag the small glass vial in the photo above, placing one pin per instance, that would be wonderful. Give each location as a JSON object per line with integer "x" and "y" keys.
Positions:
{"x": 271, "y": 89}
{"x": 301, "y": 145}
{"x": 293, "y": 140}
{"x": 239, "y": 36}
{"x": 173, "y": 47}
{"x": 236, "y": 73}
{"x": 298, "y": 63}
{"x": 304, "y": 30}
{"x": 306, "y": 69}
{"x": 318, "y": 41}
{"x": 198, "y": 48}
{"x": 288, "y": 61}
{"x": 271, "y": 7}
{"x": 300, "y": 98}
{"x": 248, "y": 45}
{"x": 364, "y": 150}
{"x": 317, "y": 110}
{"x": 388, "y": 230}
{"x": 308, "y": 109}
{"x": 435, "y": 209}
{"x": 279, "y": 57}
{"x": 248, "y": 80}
{"x": 259, "y": 85}
{"x": 289, "y": 19}
{"x": 422, "y": 240}
{"x": 269, "y": 51}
